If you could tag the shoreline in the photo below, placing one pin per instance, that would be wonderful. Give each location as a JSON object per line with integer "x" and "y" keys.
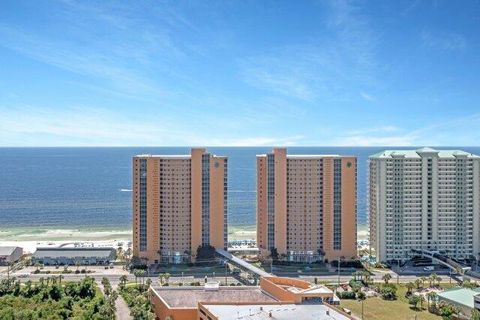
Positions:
{"x": 236, "y": 232}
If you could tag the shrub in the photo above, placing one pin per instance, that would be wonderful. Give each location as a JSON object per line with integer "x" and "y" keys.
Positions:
{"x": 356, "y": 285}
{"x": 388, "y": 292}
{"x": 346, "y": 295}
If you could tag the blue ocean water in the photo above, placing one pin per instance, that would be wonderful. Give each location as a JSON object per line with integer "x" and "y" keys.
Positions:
{"x": 89, "y": 187}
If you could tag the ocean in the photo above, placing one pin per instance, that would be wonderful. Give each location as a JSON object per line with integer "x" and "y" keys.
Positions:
{"x": 62, "y": 188}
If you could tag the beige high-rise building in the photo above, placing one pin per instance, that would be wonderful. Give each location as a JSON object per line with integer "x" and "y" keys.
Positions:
{"x": 179, "y": 204}
{"x": 424, "y": 199}
{"x": 306, "y": 205}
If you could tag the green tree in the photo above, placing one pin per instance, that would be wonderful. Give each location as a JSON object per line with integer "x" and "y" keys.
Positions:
{"x": 447, "y": 311}
{"x": 410, "y": 285}
{"x": 387, "y": 277}
{"x": 388, "y": 293}
{"x": 361, "y": 296}
{"x": 475, "y": 315}
{"x": 414, "y": 300}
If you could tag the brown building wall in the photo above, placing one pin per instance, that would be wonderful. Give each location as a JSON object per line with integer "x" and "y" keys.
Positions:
{"x": 307, "y": 182}
{"x": 135, "y": 206}
{"x": 349, "y": 208}
{"x": 174, "y": 205}
{"x": 217, "y": 174}
{"x": 281, "y": 200}
{"x": 196, "y": 220}
{"x": 328, "y": 207}
{"x": 153, "y": 209}
{"x": 262, "y": 204}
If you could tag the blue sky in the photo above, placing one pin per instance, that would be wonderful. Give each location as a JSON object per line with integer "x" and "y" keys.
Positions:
{"x": 236, "y": 73}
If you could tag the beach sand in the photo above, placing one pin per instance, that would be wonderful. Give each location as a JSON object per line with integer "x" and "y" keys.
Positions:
{"x": 31, "y": 238}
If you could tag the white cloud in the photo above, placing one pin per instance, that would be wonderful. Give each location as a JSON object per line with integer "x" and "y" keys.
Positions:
{"x": 322, "y": 67}
{"x": 368, "y": 97}
{"x": 446, "y": 41}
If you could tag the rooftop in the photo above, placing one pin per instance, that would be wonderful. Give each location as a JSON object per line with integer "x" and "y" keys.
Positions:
{"x": 417, "y": 154}
{"x": 279, "y": 312}
{"x": 312, "y": 156}
{"x": 73, "y": 252}
{"x": 6, "y": 251}
{"x": 188, "y": 297}
{"x": 462, "y": 296}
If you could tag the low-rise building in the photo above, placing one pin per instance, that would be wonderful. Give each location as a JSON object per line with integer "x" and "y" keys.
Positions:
{"x": 463, "y": 298}
{"x": 276, "y": 297}
{"x": 268, "y": 312}
{"x": 10, "y": 255}
{"x": 72, "y": 256}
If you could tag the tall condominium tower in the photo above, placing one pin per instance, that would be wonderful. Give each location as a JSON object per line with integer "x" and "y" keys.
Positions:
{"x": 306, "y": 205}
{"x": 424, "y": 199}
{"x": 179, "y": 204}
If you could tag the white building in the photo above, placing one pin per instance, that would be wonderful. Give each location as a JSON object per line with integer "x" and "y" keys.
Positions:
{"x": 10, "y": 255}
{"x": 424, "y": 199}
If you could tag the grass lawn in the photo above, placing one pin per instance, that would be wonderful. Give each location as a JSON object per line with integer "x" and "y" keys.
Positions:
{"x": 379, "y": 309}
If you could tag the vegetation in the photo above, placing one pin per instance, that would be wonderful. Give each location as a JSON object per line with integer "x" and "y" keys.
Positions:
{"x": 205, "y": 253}
{"x": 404, "y": 306}
{"x": 388, "y": 292}
{"x": 50, "y": 299}
{"x": 163, "y": 278}
{"x": 138, "y": 301}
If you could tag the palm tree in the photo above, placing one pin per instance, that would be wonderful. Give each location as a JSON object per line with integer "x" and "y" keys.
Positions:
{"x": 136, "y": 273}
{"x": 123, "y": 279}
{"x": 410, "y": 286}
{"x": 418, "y": 283}
{"x": 431, "y": 297}
{"x": 432, "y": 278}
{"x": 161, "y": 278}
{"x": 361, "y": 296}
{"x": 60, "y": 277}
{"x": 386, "y": 277}
{"x": 424, "y": 279}
{"x": 167, "y": 277}
{"x": 439, "y": 279}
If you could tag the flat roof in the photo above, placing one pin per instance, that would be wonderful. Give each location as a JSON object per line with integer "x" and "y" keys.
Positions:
{"x": 312, "y": 156}
{"x": 417, "y": 153}
{"x": 462, "y": 296}
{"x": 73, "y": 252}
{"x": 279, "y": 312}
{"x": 7, "y": 251}
{"x": 169, "y": 156}
{"x": 188, "y": 297}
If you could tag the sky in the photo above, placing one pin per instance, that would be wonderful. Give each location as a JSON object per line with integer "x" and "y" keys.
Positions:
{"x": 239, "y": 73}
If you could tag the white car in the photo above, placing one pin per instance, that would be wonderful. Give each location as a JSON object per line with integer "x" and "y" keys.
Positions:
{"x": 429, "y": 268}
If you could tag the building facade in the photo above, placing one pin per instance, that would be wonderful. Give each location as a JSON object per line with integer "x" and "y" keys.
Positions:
{"x": 70, "y": 256}
{"x": 306, "y": 206}
{"x": 424, "y": 199}
{"x": 276, "y": 298}
{"x": 9, "y": 255}
{"x": 179, "y": 204}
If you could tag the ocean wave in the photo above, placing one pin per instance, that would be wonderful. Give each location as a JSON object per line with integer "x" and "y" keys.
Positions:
{"x": 125, "y": 190}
